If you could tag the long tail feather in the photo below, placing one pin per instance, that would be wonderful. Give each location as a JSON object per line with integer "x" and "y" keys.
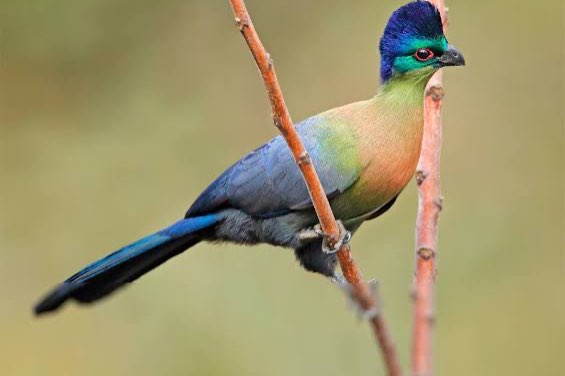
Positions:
{"x": 127, "y": 264}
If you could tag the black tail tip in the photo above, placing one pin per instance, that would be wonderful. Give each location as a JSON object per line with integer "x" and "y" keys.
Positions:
{"x": 52, "y": 301}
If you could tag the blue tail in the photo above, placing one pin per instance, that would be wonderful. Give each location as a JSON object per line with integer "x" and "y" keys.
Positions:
{"x": 128, "y": 263}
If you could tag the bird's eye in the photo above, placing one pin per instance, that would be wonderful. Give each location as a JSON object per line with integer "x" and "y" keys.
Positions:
{"x": 423, "y": 54}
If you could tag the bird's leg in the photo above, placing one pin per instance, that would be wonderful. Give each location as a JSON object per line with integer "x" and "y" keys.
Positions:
{"x": 364, "y": 314}
{"x": 311, "y": 233}
{"x": 316, "y": 232}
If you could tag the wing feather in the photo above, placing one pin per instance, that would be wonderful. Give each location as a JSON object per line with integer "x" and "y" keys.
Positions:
{"x": 266, "y": 182}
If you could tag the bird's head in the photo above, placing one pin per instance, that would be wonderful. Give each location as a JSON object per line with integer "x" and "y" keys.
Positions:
{"x": 413, "y": 42}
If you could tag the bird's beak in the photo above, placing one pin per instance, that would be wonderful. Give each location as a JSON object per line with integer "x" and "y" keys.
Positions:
{"x": 452, "y": 57}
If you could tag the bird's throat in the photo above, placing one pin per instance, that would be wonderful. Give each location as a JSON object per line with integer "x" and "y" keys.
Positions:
{"x": 406, "y": 89}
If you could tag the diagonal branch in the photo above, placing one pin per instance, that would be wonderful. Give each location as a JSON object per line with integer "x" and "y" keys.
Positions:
{"x": 427, "y": 223}
{"x": 283, "y": 122}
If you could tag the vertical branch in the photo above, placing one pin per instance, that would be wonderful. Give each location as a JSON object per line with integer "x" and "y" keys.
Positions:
{"x": 427, "y": 224}
{"x": 283, "y": 122}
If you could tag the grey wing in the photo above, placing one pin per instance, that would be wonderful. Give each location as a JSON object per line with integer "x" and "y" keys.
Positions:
{"x": 267, "y": 182}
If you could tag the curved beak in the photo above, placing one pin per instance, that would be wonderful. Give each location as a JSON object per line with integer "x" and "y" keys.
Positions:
{"x": 452, "y": 57}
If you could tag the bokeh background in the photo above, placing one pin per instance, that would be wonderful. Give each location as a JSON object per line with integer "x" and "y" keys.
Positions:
{"x": 114, "y": 115}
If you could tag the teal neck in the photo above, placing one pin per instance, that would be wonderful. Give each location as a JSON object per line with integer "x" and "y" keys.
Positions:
{"x": 407, "y": 88}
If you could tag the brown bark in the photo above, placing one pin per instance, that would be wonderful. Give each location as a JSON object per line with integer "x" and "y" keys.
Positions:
{"x": 283, "y": 122}
{"x": 427, "y": 224}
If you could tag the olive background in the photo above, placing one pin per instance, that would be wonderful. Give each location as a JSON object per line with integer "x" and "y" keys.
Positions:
{"x": 116, "y": 114}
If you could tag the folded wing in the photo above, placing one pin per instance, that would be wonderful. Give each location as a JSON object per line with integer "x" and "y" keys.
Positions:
{"x": 267, "y": 182}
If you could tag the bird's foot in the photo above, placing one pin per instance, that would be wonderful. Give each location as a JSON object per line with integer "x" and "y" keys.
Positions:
{"x": 316, "y": 232}
{"x": 352, "y": 302}
{"x": 344, "y": 238}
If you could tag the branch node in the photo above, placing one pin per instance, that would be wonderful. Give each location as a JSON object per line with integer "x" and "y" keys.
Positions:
{"x": 436, "y": 92}
{"x": 439, "y": 203}
{"x": 375, "y": 311}
{"x": 372, "y": 313}
{"x": 241, "y": 24}
{"x": 304, "y": 159}
{"x": 269, "y": 61}
{"x": 420, "y": 177}
{"x": 426, "y": 253}
{"x": 277, "y": 120}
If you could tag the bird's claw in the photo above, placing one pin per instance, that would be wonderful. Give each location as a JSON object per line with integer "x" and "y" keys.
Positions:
{"x": 352, "y": 302}
{"x": 344, "y": 238}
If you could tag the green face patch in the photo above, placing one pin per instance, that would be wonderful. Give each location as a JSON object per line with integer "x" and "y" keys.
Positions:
{"x": 409, "y": 62}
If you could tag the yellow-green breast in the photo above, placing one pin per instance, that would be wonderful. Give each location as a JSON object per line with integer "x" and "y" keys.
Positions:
{"x": 388, "y": 135}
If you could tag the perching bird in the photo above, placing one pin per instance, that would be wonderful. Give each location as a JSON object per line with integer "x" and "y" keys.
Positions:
{"x": 365, "y": 154}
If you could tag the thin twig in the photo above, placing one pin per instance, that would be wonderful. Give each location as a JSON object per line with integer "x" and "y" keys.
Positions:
{"x": 282, "y": 121}
{"x": 427, "y": 224}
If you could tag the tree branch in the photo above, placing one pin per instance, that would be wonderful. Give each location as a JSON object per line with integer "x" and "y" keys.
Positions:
{"x": 283, "y": 122}
{"x": 427, "y": 223}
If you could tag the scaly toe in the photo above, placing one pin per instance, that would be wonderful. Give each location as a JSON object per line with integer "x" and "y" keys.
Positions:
{"x": 329, "y": 250}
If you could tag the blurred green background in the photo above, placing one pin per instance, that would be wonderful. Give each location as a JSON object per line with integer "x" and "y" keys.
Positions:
{"x": 114, "y": 115}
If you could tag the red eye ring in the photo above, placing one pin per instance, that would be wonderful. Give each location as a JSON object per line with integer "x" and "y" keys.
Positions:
{"x": 423, "y": 54}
